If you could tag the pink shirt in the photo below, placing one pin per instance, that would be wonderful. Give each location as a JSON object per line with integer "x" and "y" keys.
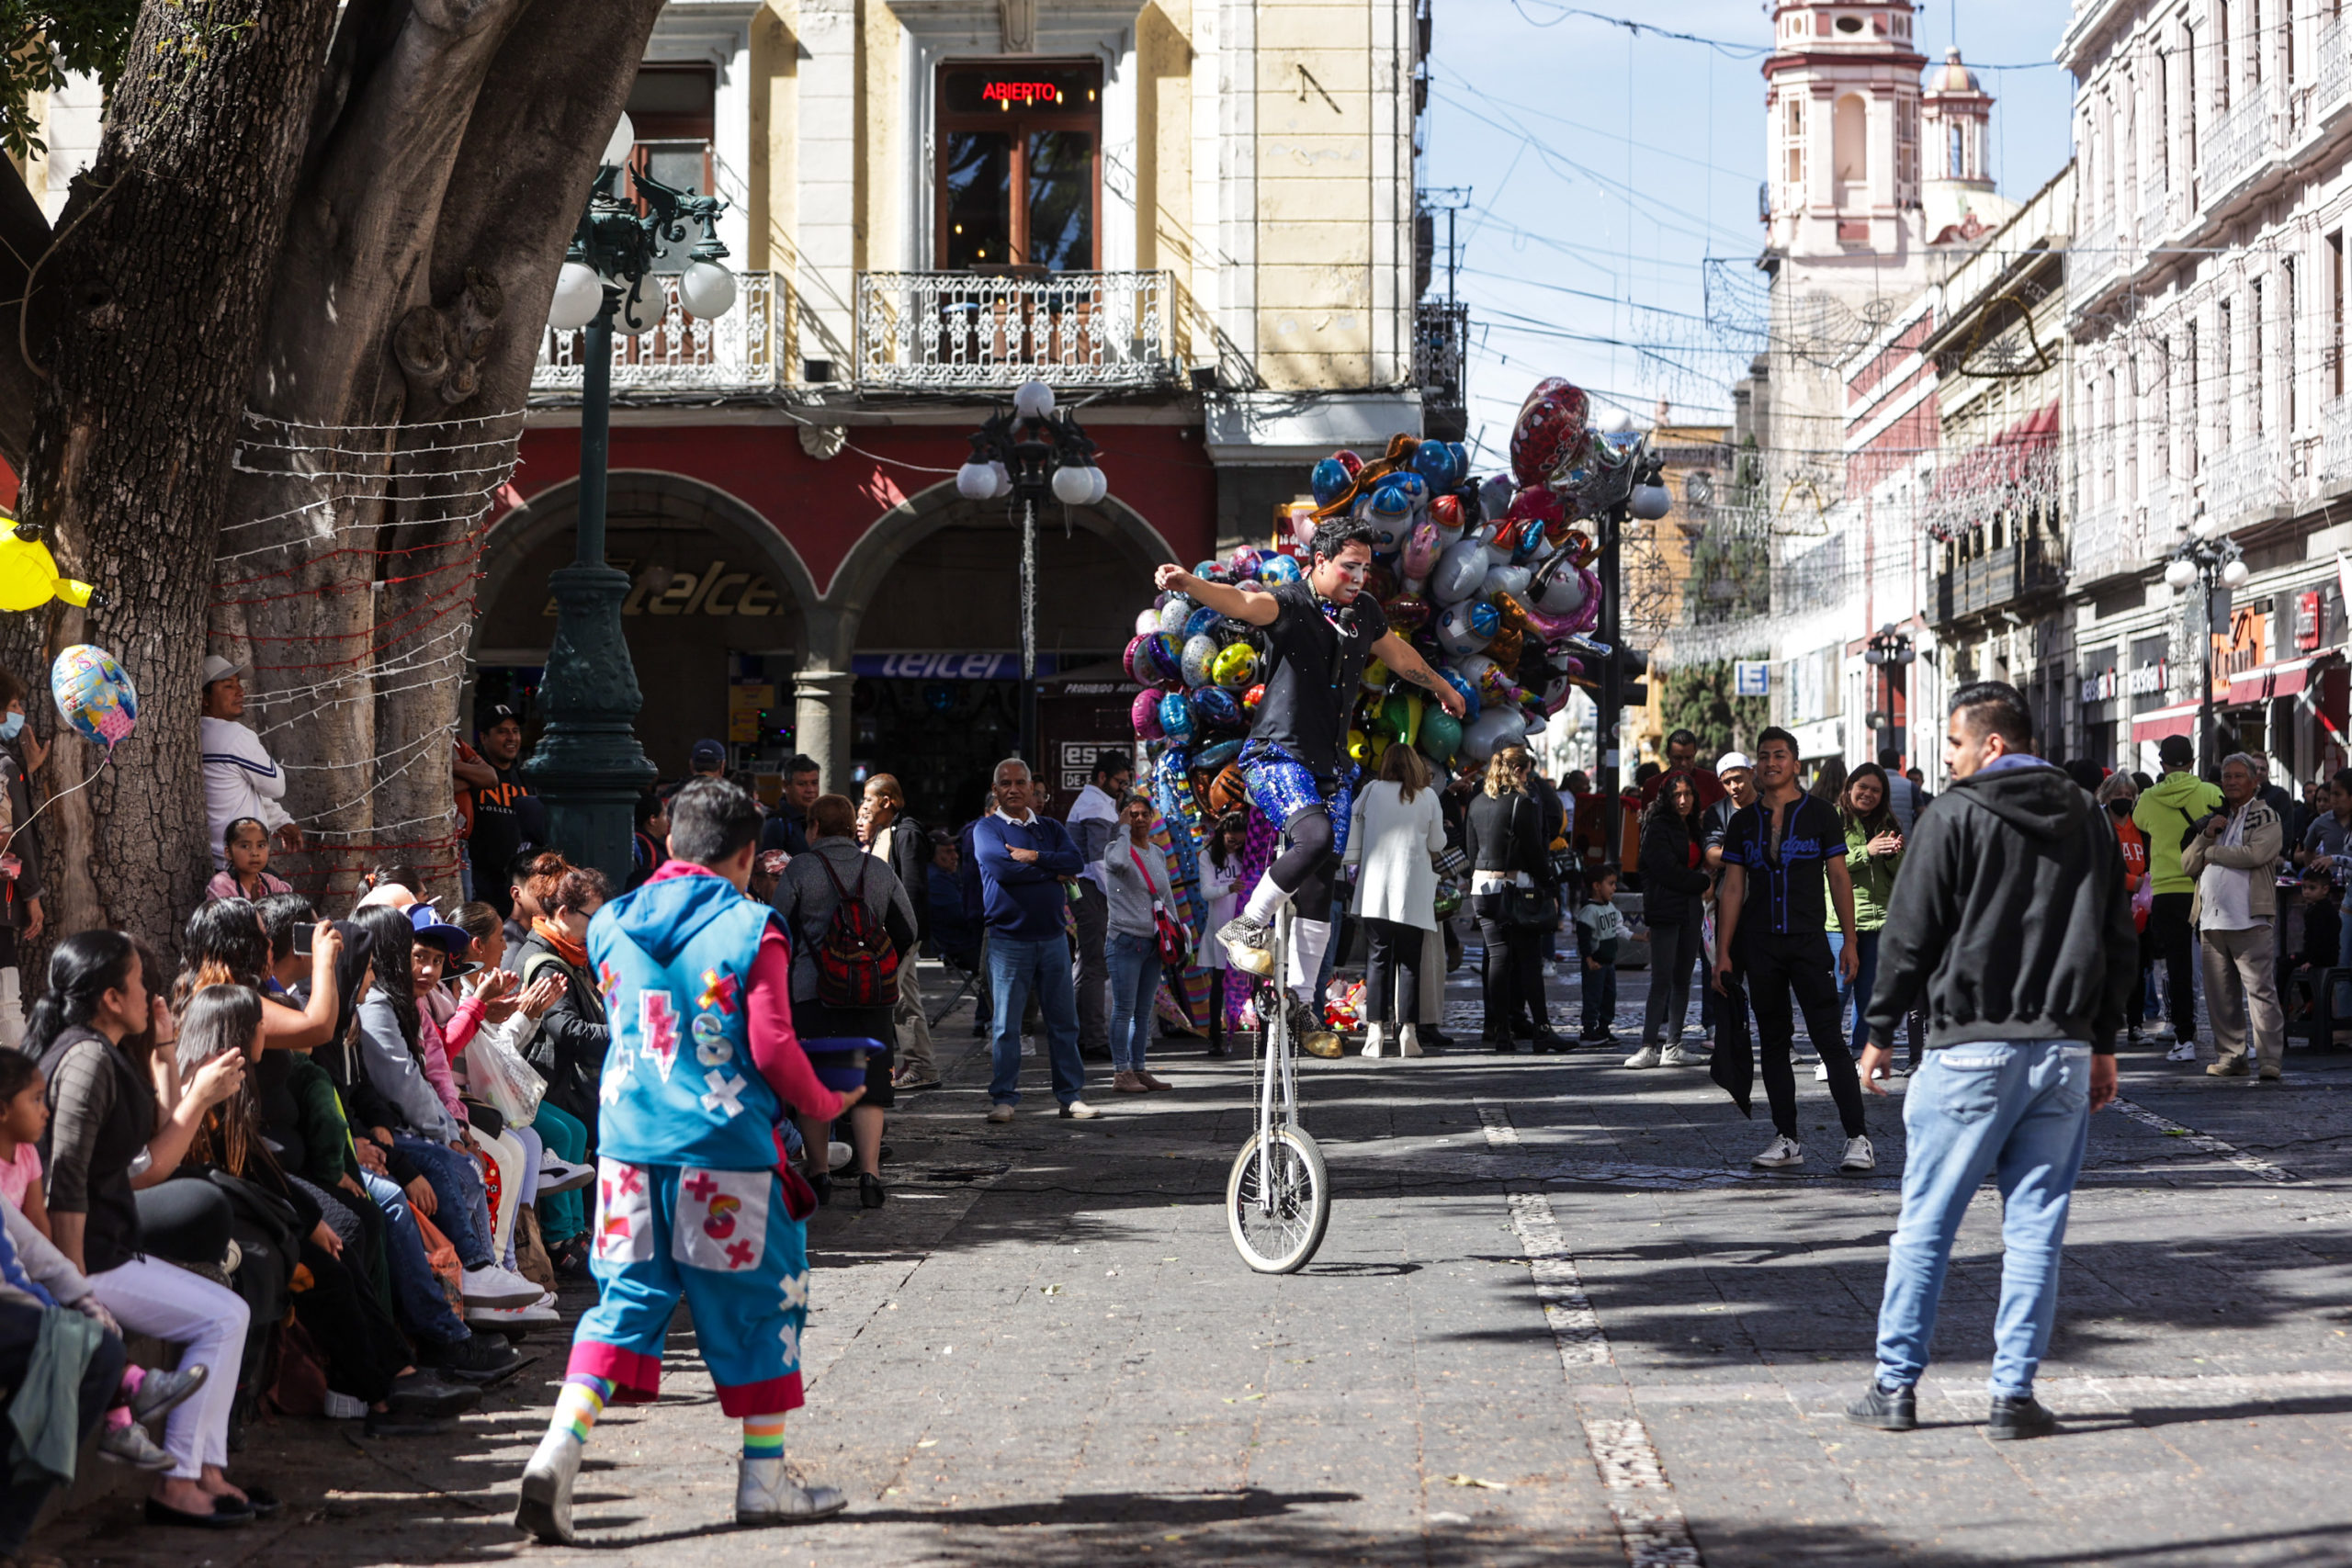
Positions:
{"x": 20, "y": 1173}
{"x": 435, "y": 1056}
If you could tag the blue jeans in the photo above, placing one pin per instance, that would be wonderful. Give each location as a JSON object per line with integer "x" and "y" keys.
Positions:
{"x": 1854, "y": 999}
{"x": 1135, "y": 986}
{"x": 463, "y": 1215}
{"x": 423, "y": 1308}
{"x": 1599, "y": 987}
{"x": 2021, "y": 1110}
{"x": 1013, "y": 967}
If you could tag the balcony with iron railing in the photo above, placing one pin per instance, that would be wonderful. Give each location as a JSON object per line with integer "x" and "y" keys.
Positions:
{"x": 1441, "y": 342}
{"x": 2244, "y": 477}
{"x": 2093, "y": 257}
{"x": 2001, "y": 576}
{"x": 2251, "y": 133}
{"x": 676, "y": 352}
{"x": 969, "y": 331}
{"x": 2331, "y": 76}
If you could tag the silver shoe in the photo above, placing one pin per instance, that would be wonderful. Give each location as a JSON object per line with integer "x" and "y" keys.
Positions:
{"x": 158, "y": 1392}
{"x": 767, "y": 1491}
{"x": 546, "y": 1508}
{"x": 1249, "y": 944}
{"x": 131, "y": 1446}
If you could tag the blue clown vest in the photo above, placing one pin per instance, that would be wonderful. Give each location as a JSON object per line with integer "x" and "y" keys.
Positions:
{"x": 673, "y": 959}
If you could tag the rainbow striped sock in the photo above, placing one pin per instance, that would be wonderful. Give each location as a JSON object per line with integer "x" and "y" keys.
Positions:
{"x": 763, "y": 1436}
{"x": 580, "y": 1403}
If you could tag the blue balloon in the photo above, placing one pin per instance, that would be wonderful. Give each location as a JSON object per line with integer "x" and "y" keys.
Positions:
{"x": 1218, "y": 755}
{"x": 1176, "y": 717}
{"x": 1435, "y": 461}
{"x": 1281, "y": 568}
{"x": 1469, "y": 693}
{"x": 1202, "y": 622}
{"x": 1330, "y": 480}
{"x": 92, "y": 694}
{"x": 1214, "y": 707}
{"x": 1412, "y": 485}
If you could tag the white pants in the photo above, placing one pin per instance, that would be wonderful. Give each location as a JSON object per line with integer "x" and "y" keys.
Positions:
{"x": 507, "y": 1155}
{"x": 208, "y": 1322}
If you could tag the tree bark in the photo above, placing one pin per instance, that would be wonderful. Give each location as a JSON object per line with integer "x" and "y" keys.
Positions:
{"x": 165, "y": 256}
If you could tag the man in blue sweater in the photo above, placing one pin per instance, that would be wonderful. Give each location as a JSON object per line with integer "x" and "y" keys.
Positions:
{"x": 1026, "y": 863}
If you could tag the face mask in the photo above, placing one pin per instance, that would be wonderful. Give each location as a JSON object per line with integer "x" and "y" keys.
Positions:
{"x": 12, "y": 726}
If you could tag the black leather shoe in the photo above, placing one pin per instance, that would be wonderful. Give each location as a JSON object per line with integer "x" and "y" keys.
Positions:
{"x": 2019, "y": 1417}
{"x": 1501, "y": 1044}
{"x": 421, "y": 1396}
{"x": 1888, "y": 1409}
{"x": 1553, "y": 1043}
{"x": 822, "y": 1183}
{"x": 871, "y": 1193}
{"x": 227, "y": 1514}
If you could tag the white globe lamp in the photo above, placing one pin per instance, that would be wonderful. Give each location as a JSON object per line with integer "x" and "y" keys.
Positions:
{"x": 709, "y": 289}
{"x": 1101, "y": 487}
{"x": 621, "y": 144}
{"x": 1034, "y": 400}
{"x": 579, "y": 295}
{"x": 1073, "y": 486}
{"x": 2234, "y": 573}
{"x": 2180, "y": 572}
{"x": 975, "y": 482}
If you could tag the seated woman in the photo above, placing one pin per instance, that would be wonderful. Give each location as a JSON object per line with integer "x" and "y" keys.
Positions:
{"x": 563, "y": 1168}
{"x": 569, "y": 1050}
{"x": 423, "y": 1129}
{"x": 105, "y": 1124}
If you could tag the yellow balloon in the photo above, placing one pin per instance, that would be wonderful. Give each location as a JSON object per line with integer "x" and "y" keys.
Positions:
{"x": 1413, "y": 706}
{"x": 1376, "y": 676}
{"x": 29, "y": 574}
{"x": 1359, "y": 746}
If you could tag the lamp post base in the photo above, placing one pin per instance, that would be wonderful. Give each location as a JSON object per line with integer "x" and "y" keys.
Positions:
{"x": 589, "y": 767}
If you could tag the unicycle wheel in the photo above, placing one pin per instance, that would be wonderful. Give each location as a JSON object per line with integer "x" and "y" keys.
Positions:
{"x": 1279, "y": 1237}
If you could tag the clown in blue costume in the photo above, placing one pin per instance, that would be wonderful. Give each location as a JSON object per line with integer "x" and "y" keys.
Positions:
{"x": 693, "y": 1201}
{"x": 1320, "y": 632}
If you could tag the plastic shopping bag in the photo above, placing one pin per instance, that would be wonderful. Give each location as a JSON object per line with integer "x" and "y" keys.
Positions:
{"x": 497, "y": 1074}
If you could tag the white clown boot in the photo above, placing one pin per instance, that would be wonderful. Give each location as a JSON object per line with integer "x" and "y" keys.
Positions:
{"x": 767, "y": 1494}
{"x": 546, "y": 1508}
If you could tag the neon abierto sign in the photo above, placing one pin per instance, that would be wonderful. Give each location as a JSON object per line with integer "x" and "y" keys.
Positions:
{"x": 1019, "y": 93}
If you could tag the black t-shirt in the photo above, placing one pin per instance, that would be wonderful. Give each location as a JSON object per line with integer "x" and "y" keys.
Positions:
{"x": 500, "y": 812}
{"x": 1316, "y": 653}
{"x": 1788, "y": 886}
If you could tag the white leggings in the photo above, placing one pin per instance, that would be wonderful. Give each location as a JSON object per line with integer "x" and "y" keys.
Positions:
{"x": 208, "y": 1321}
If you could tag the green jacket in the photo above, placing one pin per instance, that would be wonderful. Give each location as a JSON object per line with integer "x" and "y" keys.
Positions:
{"x": 2164, "y": 812}
{"x": 1873, "y": 879}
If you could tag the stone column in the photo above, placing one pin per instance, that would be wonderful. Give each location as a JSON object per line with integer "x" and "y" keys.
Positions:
{"x": 820, "y": 723}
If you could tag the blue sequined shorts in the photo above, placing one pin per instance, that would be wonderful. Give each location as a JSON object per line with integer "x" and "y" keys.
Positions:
{"x": 1282, "y": 788}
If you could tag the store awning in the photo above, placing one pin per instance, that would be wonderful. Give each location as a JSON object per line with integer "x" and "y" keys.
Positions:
{"x": 2282, "y": 678}
{"x": 2179, "y": 719}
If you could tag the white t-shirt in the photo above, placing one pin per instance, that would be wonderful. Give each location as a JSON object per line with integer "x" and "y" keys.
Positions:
{"x": 2226, "y": 891}
{"x": 241, "y": 779}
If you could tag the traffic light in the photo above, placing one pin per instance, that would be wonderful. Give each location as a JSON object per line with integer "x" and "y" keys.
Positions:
{"x": 1632, "y": 675}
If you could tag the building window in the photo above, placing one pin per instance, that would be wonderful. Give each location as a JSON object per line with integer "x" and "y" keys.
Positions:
{"x": 2255, "y": 374}
{"x": 2336, "y": 314}
{"x": 1020, "y": 171}
{"x": 2290, "y": 378}
{"x": 1851, "y": 153}
{"x": 672, "y": 109}
{"x": 2225, "y": 368}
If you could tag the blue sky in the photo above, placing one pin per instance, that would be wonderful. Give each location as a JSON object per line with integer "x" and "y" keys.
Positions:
{"x": 1612, "y": 182}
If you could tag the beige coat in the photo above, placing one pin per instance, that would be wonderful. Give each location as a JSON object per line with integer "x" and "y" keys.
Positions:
{"x": 2265, "y": 839}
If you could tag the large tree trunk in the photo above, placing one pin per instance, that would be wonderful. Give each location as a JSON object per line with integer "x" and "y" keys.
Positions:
{"x": 165, "y": 256}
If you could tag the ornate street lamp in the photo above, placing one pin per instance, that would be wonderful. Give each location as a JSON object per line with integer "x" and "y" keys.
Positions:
{"x": 2202, "y": 559}
{"x": 589, "y": 765}
{"x": 1027, "y": 454}
{"x": 1889, "y": 650}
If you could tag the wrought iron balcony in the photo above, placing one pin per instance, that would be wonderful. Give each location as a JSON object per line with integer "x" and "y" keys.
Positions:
{"x": 2249, "y": 135}
{"x": 738, "y": 352}
{"x": 1998, "y": 577}
{"x": 2244, "y": 476}
{"x": 2336, "y": 444}
{"x": 1440, "y": 342}
{"x": 965, "y": 330}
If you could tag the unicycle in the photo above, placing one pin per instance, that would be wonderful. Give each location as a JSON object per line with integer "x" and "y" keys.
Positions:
{"x": 1278, "y": 1196}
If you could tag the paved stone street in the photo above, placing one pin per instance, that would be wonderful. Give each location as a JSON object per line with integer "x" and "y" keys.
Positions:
{"x": 1557, "y": 1319}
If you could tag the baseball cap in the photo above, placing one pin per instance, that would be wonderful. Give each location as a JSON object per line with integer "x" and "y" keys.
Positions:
{"x": 218, "y": 669}
{"x": 706, "y": 754}
{"x": 495, "y": 715}
{"x": 1730, "y": 759}
{"x": 2175, "y": 751}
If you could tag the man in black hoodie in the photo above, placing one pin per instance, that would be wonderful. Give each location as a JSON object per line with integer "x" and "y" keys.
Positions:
{"x": 2011, "y": 917}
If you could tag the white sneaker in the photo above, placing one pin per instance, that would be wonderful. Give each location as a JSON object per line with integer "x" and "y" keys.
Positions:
{"x": 1408, "y": 1041}
{"x": 766, "y": 1493}
{"x": 1679, "y": 1056}
{"x": 1860, "y": 1156}
{"x": 559, "y": 1175}
{"x": 546, "y": 1507}
{"x": 1001, "y": 1112}
{"x": 1372, "y": 1042}
{"x": 837, "y": 1154}
{"x": 1821, "y": 1072}
{"x": 537, "y": 1315}
{"x": 342, "y": 1407}
{"x": 1647, "y": 1056}
{"x": 2159, "y": 1032}
{"x": 2184, "y": 1051}
{"x": 1079, "y": 1110}
{"x": 496, "y": 1287}
{"x": 1779, "y": 1153}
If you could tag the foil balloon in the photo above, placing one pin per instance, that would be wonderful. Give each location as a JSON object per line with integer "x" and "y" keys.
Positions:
{"x": 1438, "y": 463}
{"x": 1127, "y": 659}
{"x": 1493, "y": 728}
{"x": 1161, "y": 659}
{"x": 1380, "y": 582}
{"x": 1213, "y": 758}
{"x": 1556, "y": 694}
{"x": 1441, "y": 736}
{"x": 1330, "y": 480}
{"x": 1376, "y": 675}
{"x": 1411, "y": 485}
{"x": 1176, "y": 717}
{"x": 1348, "y": 460}
{"x": 1469, "y": 694}
{"x": 1466, "y": 628}
{"x": 1195, "y": 663}
{"x": 1459, "y": 571}
{"x": 1495, "y": 496}
{"x": 1388, "y": 512}
{"x": 1228, "y": 791}
{"x": 93, "y": 695}
{"x": 1303, "y": 523}
{"x": 1145, "y": 714}
{"x": 1175, "y": 612}
{"x": 29, "y": 576}
{"x": 1408, "y": 613}
{"x": 1244, "y": 562}
{"x": 1538, "y": 505}
{"x": 1502, "y": 541}
{"x": 1510, "y": 580}
{"x": 1445, "y": 515}
{"x": 1552, "y": 431}
{"x": 1214, "y": 707}
{"x": 1147, "y": 622}
{"x": 1235, "y": 665}
{"x": 1359, "y": 746}
{"x": 1252, "y": 698}
{"x": 1202, "y": 622}
{"x": 1492, "y": 683}
{"x": 1280, "y": 569}
{"x": 1420, "y": 551}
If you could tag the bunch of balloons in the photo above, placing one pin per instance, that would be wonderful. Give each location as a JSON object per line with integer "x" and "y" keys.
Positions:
{"x": 1492, "y": 581}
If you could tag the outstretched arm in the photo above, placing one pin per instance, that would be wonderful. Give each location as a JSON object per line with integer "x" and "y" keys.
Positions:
{"x": 1258, "y": 609}
{"x": 1404, "y": 660}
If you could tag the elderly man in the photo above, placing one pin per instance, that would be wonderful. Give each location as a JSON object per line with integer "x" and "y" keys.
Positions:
{"x": 2233, "y": 858}
{"x": 240, "y": 778}
{"x": 1026, "y": 863}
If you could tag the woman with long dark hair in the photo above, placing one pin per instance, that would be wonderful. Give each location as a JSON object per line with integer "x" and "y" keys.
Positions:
{"x": 1503, "y": 834}
{"x": 105, "y": 1124}
{"x": 1674, "y": 881}
{"x": 1874, "y": 854}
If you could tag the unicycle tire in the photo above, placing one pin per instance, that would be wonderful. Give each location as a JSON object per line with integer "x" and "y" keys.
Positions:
{"x": 1284, "y": 1241}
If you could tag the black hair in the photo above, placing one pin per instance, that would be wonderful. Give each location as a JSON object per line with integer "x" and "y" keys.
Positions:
{"x": 2343, "y": 780}
{"x": 1882, "y": 819}
{"x": 1336, "y": 534}
{"x": 477, "y": 920}
{"x": 1644, "y": 771}
{"x": 228, "y": 833}
{"x": 18, "y": 1072}
{"x": 394, "y": 939}
{"x": 2316, "y": 872}
{"x": 801, "y": 763}
{"x": 1889, "y": 758}
{"x": 1995, "y": 707}
{"x": 220, "y": 1020}
{"x": 1683, "y": 738}
{"x": 1225, "y": 825}
{"x": 649, "y": 807}
{"x": 83, "y": 969}
{"x": 280, "y": 914}
{"x": 397, "y": 874}
{"x": 2085, "y": 773}
{"x": 1599, "y": 874}
{"x": 1115, "y": 762}
{"x": 223, "y": 943}
{"x": 1772, "y": 732}
{"x": 711, "y": 820}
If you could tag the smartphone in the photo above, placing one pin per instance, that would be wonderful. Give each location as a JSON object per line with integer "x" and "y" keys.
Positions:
{"x": 302, "y": 939}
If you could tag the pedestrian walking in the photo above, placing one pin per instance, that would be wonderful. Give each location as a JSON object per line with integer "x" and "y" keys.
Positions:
{"x": 2234, "y": 855}
{"x": 1784, "y": 871}
{"x": 1141, "y": 899}
{"x": 691, "y": 1203}
{"x": 2010, "y": 920}
{"x": 1024, "y": 864}
{"x": 1674, "y": 887}
{"x": 903, "y": 844}
{"x": 1600, "y": 928}
{"x": 1875, "y": 845}
{"x": 1508, "y": 872}
{"x": 2166, "y": 813}
{"x": 1399, "y": 829}
{"x": 1093, "y": 823}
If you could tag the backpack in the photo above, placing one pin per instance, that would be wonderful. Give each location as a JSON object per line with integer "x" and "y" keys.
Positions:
{"x": 856, "y": 966}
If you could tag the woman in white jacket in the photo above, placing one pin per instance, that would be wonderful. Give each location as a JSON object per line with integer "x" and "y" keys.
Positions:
{"x": 1397, "y": 826}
